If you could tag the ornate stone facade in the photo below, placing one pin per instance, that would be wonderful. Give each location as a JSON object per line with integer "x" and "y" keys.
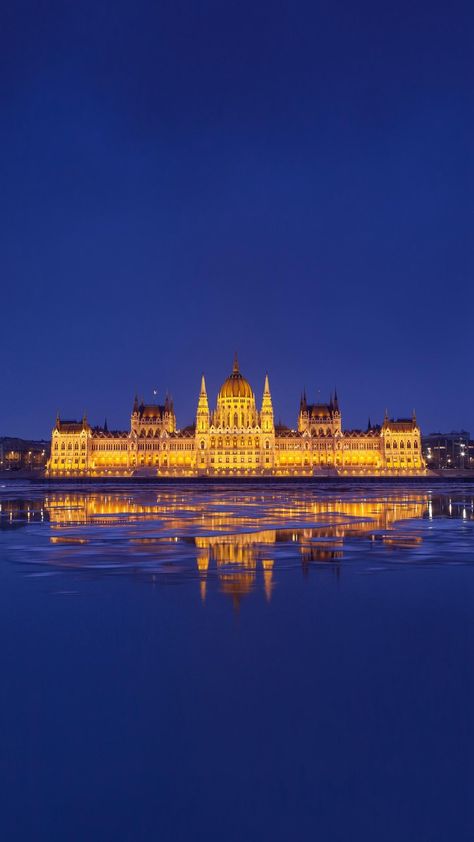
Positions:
{"x": 236, "y": 439}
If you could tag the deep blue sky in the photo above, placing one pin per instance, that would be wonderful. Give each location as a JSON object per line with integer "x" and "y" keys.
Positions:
{"x": 183, "y": 179}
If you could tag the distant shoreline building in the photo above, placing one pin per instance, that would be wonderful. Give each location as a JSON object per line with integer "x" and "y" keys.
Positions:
{"x": 23, "y": 454}
{"x": 448, "y": 451}
{"x": 236, "y": 439}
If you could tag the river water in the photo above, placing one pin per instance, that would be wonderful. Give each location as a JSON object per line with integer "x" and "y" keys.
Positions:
{"x": 252, "y": 662}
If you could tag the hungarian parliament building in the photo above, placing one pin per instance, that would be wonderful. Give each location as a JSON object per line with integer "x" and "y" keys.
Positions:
{"x": 236, "y": 439}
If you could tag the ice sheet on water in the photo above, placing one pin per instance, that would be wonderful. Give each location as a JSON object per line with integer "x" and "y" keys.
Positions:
{"x": 232, "y": 531}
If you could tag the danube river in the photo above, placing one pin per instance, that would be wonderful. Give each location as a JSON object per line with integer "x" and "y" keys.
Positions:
{"x": 274, "y": 662}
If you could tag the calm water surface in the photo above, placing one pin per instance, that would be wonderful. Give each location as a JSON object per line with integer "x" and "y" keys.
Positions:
{"x": 237, "y": 663}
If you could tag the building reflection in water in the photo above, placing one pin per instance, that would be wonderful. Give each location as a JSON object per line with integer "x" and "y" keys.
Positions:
{"x": 239, "y": 536}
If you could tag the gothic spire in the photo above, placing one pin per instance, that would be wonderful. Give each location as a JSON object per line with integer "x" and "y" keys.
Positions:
{"x": 235, "y": 369}
{"x": 202, "y": 418}
{"x": 267, "y": 407}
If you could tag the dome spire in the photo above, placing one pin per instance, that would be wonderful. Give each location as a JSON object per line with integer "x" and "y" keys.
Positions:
{"x": 236, "y": 386}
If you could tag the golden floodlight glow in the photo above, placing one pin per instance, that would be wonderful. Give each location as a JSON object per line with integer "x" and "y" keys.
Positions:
{"x": 237, "y": 439}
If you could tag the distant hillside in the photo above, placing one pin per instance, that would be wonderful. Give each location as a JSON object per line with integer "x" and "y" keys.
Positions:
{"x": 15, "y": 443}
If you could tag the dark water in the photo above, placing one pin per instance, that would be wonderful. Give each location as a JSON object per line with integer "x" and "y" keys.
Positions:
{"x": 237, "y": 663}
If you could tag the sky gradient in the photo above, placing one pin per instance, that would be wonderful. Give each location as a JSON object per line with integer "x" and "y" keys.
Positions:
{"x": 181, "y": 180}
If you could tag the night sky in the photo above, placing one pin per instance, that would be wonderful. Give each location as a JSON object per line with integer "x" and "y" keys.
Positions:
{"x": 180, "y": 180}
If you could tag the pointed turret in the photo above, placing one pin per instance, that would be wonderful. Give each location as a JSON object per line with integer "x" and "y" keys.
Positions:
{"x": 336, "y": 401}
{"x": 413, "y": 418}
{"x": 202, "y": 415}
{"x": 267, "y": 408}
{"x": 369, "y": 425}
{"x": 171, "y": 416}
{"x": 106, "y": 429}
{"x": 235, "y": 368}
{"x": 303, "y": 414}
{"x": 135, "y": 404}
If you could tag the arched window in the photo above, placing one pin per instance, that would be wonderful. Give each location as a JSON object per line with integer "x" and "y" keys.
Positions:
{"x": 236, "y": 420}
{"x": 409, "y": 444}
{"x": 202, "y": 445}
{"x": 267, "y": 445}
{"x": 402, "y": 444}
{"x": 394, "y": 445}
{"x": 415, "y": 445}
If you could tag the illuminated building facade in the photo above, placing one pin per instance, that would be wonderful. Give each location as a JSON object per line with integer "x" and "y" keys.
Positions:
{"x": 23, "y": 454}
{"x": 236, "y": 439}
{"x": 447, "y": 451}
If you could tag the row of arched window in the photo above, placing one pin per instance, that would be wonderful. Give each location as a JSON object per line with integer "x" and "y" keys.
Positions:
{"x": 69, "y": 446}
{"x": 227, "y": 441}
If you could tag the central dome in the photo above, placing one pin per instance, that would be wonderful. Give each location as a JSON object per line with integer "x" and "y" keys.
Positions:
{"x": 236, "y": 386}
